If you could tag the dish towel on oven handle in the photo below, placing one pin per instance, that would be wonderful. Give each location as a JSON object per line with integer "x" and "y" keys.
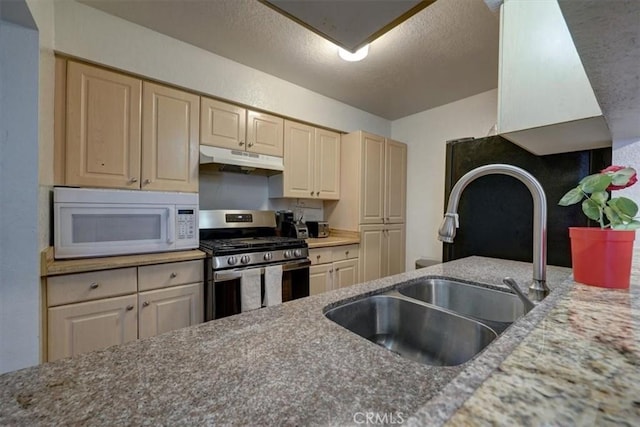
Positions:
{"x": 272, "y": 285}
{"x": 250, "y": 289}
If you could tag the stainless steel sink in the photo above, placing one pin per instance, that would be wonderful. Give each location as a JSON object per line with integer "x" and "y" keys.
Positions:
{"x": 414, "y": 330}
{"x": 496, "y": 308}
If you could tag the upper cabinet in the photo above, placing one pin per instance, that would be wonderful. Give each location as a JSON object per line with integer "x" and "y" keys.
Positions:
{"x": 374, "y": 177}
{"x": 546, "y": 102}
{"x": 123, "y": 133}
{"x": 230, "y": 126}
{"x": 311, "y": 164}
{"x": 169, "y": 139}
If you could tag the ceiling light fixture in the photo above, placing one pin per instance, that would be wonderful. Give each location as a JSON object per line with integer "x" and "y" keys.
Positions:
{"x": 359, "y": 54}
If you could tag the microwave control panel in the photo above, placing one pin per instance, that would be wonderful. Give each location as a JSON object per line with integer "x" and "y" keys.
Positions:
{"x": 186, "y": 220}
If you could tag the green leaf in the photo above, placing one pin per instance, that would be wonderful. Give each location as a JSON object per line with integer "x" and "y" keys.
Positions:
{"x": 572, "y": 197}
{"x": 600, "y": 197}
{"x": 633, "y": 225}
{"x": 622, "y": 176}
{"x": 612, "y": 216}
{"x": 594, "y": 183}
{"x": 625, "y": 206}
{"x": 591, "y": 209}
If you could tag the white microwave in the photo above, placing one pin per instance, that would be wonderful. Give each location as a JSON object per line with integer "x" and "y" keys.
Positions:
{"x": 95, "y": 222}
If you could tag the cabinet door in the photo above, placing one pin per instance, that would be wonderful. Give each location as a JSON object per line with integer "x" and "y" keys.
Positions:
{"x": 345, "y": 273}
{"x": 394, "y": 256}
{"x": 327, "y": 164}
{"x": 169, "y": 139}
{"x": 164, "y": 310}
{"x": 371, "y": 262}
{"x": 395, "y": 182}
{"x": 320, "y": 278}
{"x": 372, "y": 202}
{"x": 87, "y": 326}
{"x": 298, "y": 160}
{"x": 264, "y": 133}
{"x": 103, "y": 128}
{"x": 222, "y": 125}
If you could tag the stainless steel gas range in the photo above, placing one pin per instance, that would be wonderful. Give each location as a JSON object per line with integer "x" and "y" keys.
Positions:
{"x": 240, "y": 243}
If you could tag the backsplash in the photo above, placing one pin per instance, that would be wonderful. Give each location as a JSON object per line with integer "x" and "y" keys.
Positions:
{"x": 225, "y": 190}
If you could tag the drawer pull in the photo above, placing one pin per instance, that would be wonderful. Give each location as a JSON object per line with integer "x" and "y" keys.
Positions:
{"x": 318, "y": 257}
{"x": 173, "y": 275}
{"x": 346, "y": 253}
{"x": 145, "y": 304}
{"x": 94, "y": 285}
{"x": 130, "y": 307}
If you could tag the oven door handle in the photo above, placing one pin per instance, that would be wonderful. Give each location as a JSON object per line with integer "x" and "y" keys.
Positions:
{"x": 223, "y": 276}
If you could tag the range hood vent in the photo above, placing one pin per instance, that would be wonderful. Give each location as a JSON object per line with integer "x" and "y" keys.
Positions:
{"x": 238, "y": 161}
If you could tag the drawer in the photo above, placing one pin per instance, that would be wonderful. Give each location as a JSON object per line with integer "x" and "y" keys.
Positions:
{"x": 320, "y": 255}
{"x": 72, "y": 288}
{"x": 171, "y": 274}
{"x": 341, "y": 253}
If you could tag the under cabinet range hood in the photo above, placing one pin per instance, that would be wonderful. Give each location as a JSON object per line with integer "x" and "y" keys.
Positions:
{"x": 239, "y": 161}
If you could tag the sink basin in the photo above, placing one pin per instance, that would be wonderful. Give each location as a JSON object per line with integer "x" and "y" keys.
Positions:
{"x": 496, "y": 308}
{"x": 418, "y": 332}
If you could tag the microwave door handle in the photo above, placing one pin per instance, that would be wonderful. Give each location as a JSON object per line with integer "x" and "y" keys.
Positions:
{"x": 171, "y": 226}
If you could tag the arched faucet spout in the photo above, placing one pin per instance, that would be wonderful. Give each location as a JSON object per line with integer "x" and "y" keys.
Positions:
{"x": 538, "y": 289}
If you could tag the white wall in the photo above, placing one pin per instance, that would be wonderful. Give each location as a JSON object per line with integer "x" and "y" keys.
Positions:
{"x": 96, "y": 36}
{"x": 426, "y": 134}
{"x": 19, "y": 255}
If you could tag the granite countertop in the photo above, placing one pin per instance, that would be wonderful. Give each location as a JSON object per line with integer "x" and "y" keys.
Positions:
{"x": 335, "y": 238}
{"x": 52, "y": 267}
{"x": 573, "y": 358}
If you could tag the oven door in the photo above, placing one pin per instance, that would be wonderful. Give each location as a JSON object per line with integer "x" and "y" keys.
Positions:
{"x": 222, "y": 293}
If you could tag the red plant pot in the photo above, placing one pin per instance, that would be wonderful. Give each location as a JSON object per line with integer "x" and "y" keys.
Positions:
{"x": 602, "y": 257}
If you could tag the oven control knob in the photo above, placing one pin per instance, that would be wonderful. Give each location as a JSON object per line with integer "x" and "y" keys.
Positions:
{"x": 245, "y": 259}
{"x": 287, "y": 253}
{"x": 297, "y": 253}
{"x": 268, "y": 256}
{"x": 232, "y": 260}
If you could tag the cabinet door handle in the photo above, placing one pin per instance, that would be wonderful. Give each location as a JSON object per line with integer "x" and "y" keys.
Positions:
{"x": 145, "y": 304}
{"x": 312, "y": 193}
{"x": 317, "y": 193}
{"x": 133, "y": 180}
{"x": 241, "y": 143}
{"x": 330, "y": 271}
{"x": 147, "y": 181}
{"x": 337, "y": 269}
{"x": 173, "y": 275}
{"x": 250, "y": 144}
{"x": 130, "y": 307}
{"x": 94, "y": 285}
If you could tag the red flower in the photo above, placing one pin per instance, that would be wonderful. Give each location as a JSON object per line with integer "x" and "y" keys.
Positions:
{"x": 614, "y": 168}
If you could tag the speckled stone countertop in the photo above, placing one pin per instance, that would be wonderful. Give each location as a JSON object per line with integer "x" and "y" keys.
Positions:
{"x": 289, "y": 365}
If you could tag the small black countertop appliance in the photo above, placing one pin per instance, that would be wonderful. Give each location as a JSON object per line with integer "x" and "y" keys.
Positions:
{"x": 288, "y": 227}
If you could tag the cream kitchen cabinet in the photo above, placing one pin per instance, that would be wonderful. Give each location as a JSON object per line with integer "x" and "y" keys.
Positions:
{"x": 333, "y": 268}
{"x": 94, "y": 310}
{"x": 311, "y": 164}
{"x": 122, "y": 132}
{"x": 546, "y": 102}
{"x": 230, "y": 126}
{"x": 373, "y": 202}
{"x": 382, "y": 251}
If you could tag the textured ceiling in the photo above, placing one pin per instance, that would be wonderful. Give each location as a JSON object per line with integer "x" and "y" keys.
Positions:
{"x": 445, "y": 52}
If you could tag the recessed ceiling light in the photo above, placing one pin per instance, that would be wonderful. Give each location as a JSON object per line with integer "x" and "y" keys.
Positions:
{"x": 359, "y": 55}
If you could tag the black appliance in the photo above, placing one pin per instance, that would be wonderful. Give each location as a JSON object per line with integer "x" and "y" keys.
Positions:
{"x": 496, "y": 211}
{"x": 239, "y": 240}
{"x": 288, "y": 226}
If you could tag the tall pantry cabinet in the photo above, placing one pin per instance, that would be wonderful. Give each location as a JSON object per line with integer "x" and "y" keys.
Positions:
{"x": 373, "y": 201}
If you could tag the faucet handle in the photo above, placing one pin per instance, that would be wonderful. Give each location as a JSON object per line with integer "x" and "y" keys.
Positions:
{"x": 528, "y": 305}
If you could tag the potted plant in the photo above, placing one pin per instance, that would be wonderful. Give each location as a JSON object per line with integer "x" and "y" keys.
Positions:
{"x": 602, "y": 256}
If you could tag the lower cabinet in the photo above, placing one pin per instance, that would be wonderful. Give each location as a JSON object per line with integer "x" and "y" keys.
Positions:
{"x": 333, "y": 268}
{"x": 90, "y": 311}
{"x": 382, "y": 250}
{"x": 164, "y": 310}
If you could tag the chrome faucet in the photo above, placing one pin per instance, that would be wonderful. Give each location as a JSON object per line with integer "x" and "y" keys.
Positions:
{"x": 538, "y": 289}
